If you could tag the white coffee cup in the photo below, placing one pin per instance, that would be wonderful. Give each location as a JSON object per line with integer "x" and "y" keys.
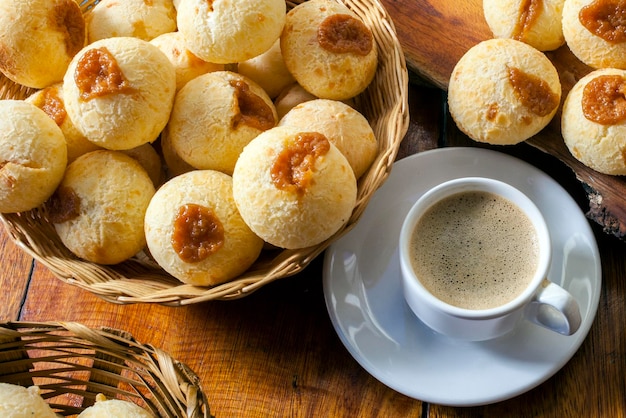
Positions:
{"x": 541, "y": 301}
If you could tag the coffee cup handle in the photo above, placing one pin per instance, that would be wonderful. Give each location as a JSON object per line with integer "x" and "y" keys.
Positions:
{"x": 554, "y": 308}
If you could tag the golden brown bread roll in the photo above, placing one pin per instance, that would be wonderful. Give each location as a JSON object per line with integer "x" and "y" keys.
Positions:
{"x": 227, "y": 32}
{"x": 268, "y": 70}
{"x": 99, "y": 207}
{"x": 503, "y": 91}
{"x": 33, "y": 156}
{"x": 50, "y": 100}
{"x": 594, "y": 32}
{"x": 174, "y": 165}
{"x": 137, "y": 18}
{"x": 150, "y": 160}
{"x": 187, "y": 65}
{"x": 214, "y": 116}
{"x": 294, "y": 189}
{"x": 593, "y": 121}
{"x": 328, "y": 49}
{"x": 195, "y": 232}
{"x": 290, "y": 97}
{"x": 340, "y": 124}
{"x": 38, "y": 38}
{"x": 119, "y": 92}
{"x": 536, "y": 23}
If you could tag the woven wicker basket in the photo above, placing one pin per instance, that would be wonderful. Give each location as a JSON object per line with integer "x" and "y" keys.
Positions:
{"x": 385, "y": 105}
{"x": 72, "y": 364}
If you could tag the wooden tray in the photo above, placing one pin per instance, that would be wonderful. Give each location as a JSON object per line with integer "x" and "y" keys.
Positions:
{"x": 434, "y": 36}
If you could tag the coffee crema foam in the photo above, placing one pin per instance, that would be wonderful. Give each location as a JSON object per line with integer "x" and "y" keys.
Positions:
{"x": 475, "y": 250}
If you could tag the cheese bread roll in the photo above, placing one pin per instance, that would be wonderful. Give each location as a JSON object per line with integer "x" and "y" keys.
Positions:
{"x": 503, "y": 91}
{"x": 328, "y": 49}
{"x": 119, "y": 92}
{"x": 224, "y": 32}
{"x": 38, "y": 38}
{"x": 195, "y": 232}
{"x": 33, "y": 156}
{"x": 294, "y": 188}
{"x": 593, "y": 122}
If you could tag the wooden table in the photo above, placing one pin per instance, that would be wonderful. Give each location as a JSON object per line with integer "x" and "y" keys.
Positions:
{"x": 276, "y": 354}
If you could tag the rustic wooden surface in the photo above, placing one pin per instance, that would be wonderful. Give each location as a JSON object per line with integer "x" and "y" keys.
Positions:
{"x": 435, "y": 34}
{"x": 276, "y": 354}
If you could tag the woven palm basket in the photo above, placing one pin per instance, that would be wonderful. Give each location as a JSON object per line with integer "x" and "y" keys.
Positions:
{"x": 384, "y": 104}
{"x": 71, "y": 364}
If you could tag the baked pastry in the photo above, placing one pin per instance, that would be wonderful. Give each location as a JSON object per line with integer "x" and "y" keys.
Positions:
{"x": 594, "y": 32}
{"x": 119, "y": 92}
{"x": 294, "y": 189}
{"x": 593, "y": 121}
{"x": 50, "y": 100}
{"x": 290, "y": 97}
{"x": 503, "y": 91}
{"x": 174, "y": 165}
{"x": 137, "y": 18}
{"x": 150, "y": 160}
{"x": 268, "y": 70}
{"x": 341, "y": 125}
{"x": 33, "y": 156}
{"x": 228, "y": 32}
{"x": 20, "y": 402}
{"x": 38, "y": 38}
{"x": 187, "y": 65}
{"x": 328, "y": 49}
{"x": 536, "y": 23}
{"x": 214, "y": 116}
{"x": 99, "y": 207}
{"x": 111, "y": 408}
{"x": 195, "y": 232}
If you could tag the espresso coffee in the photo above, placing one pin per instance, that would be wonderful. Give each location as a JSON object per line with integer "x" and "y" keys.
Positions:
{"x": 474, "y": 250}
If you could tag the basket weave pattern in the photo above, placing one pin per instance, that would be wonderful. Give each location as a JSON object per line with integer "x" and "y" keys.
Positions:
{"x": 139, "y": 280}
{"x": 71, "y": 364}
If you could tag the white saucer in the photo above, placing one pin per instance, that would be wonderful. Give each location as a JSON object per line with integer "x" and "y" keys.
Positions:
{"x": 365, "y": 302}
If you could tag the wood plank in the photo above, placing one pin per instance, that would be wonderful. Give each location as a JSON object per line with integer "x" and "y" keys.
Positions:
{"x": 16, "y": 266}
{"x": 273, "y": 353}
{"x": 436, "y": 34}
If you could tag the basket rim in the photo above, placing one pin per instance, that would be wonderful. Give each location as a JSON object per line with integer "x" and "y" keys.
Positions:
{"x": 134, "y": 281}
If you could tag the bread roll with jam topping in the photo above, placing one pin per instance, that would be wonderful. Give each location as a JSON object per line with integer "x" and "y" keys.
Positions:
{"x": 226, "y": 32}
{"x": 99, "y": 207}
{"x": 214, "y": 116}
{"x": 38, "y": 38}
{"x": 537, "y": 23}
{"x": 137, "y": 18}
{"x": 594, "y": 31}
{"x": 33, "y": 156}
{"x": 328, "y": 49}
{"x": 195, "y": 232}
{"x": 50, "y": 100}
{"x": 503, "y": 91}
{"x": 294, "y": 189}
{"x": 119, "y": 92}
{"x": 593, "y": 121}
{"x": 342, "y": 125}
